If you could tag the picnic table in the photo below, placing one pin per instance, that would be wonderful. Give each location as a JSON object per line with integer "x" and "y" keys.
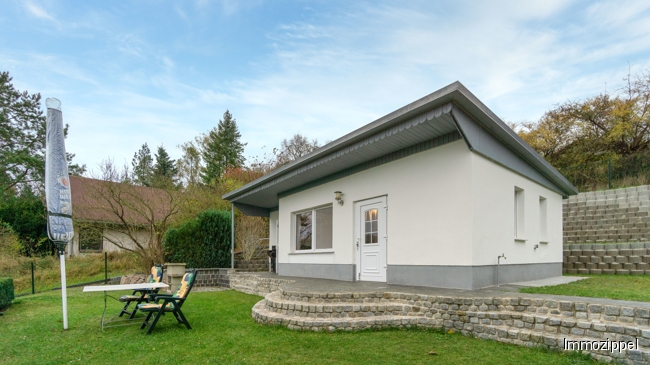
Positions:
{"x": 121, "y": 287}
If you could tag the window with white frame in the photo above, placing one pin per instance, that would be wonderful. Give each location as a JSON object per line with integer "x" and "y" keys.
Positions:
{"x": 313, "y": 229}
{"x": 519, "y": 213}
{"x": 543, "y": 220}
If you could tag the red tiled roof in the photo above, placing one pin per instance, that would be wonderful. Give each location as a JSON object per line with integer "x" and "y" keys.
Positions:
{"x": 97, "y": 201}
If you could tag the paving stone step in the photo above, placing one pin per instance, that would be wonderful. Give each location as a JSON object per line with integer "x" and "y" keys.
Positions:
{"x": 516, "y": 333}
{"x": 599, "y": 318}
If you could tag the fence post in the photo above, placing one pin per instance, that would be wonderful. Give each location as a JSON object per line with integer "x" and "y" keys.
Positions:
{"x": 33, "y": 291}
{"x": 609, "y": 172}
{"x": 105, "y": 267}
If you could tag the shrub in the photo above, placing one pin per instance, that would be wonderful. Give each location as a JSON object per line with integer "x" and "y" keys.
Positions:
{"x": 9, "y": 242}
{"x": 26, "y": 216}
{"x": 6, "y": 292}
{"x": 201, "y": 242}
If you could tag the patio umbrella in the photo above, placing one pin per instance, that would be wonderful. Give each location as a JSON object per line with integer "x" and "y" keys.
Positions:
{"x": 57, "y": 191}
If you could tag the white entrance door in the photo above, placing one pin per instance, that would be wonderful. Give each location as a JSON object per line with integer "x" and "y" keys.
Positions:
{"x": 371, "y": 239}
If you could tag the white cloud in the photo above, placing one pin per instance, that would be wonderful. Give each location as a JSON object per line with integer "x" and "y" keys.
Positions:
{"x": 329, "y": 71}
{"x": 39, "y": 12}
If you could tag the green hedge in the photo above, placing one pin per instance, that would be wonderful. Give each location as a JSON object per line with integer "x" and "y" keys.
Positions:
{"x": 6, "y": 292}
{"x": 201, "y": 242}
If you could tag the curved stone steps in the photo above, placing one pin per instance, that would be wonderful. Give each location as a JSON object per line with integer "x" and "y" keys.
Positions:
{"x": 501, "y": 333}
{"x": 278, "y": 308}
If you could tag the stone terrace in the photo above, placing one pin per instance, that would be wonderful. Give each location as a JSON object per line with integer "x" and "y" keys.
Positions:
{"x": 500, "y": 314}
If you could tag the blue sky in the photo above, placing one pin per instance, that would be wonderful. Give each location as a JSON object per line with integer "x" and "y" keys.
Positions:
{"x": 162, "y": 72}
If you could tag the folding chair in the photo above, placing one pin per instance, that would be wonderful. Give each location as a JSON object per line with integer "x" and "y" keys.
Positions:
{"x": 141, "y": 295}
{"x": 161, "y": 303}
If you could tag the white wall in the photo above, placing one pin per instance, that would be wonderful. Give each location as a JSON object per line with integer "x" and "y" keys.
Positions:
{"x": 429, "y": 196}
{"x": 493, "y": 206}
{"x": 108, "y": 246}
{"x": 123, "y": 239}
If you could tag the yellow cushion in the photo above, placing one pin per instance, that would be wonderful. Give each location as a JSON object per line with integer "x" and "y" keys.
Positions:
{"x": 129, "y": 298}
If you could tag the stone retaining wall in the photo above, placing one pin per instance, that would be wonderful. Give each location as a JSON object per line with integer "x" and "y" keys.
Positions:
{"x": 212, "y": 277}
{"x": 255, "y": 284}
{"x": 619, "y": 259}
{"x": 521, "y": 321}
{"x": 617, "y": 215}
{"x": 250, "y": 283}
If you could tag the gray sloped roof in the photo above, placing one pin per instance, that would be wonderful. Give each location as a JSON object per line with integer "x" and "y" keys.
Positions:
{"x": 448, "y": 114}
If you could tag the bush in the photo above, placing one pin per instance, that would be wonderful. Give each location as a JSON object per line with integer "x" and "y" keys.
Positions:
{"x": 26, "y": 216}
{"x": 201, "y": 242}
{"x": 9, "y": 242}
{"x": 6, "y": 292}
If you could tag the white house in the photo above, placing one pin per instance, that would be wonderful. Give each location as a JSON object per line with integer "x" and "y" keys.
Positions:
{"x": 104, "y": 223}
{"x": 430, "y": 195}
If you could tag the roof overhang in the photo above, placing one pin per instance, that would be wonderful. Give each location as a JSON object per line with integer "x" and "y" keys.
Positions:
{"x": 444, "y": 116}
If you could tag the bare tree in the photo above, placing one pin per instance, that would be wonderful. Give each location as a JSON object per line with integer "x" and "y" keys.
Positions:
{"x": 295, "y": 148}
{"x": 190, "y": 165}
{"x": 248, "y": 235}
{"x": 133, "y": 218}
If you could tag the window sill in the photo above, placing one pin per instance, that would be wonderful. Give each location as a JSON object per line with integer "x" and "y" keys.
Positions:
{"x": 543, "y": 242}
{"x": 518, "y": 239}
{"x": 306, "y": 252}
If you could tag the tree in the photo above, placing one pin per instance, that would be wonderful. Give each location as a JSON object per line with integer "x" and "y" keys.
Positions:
{"x": 595, "y": 129}
{"x": 22, "y": 140}
{"x": 189, "y": 165}
{"x": 26, "y": 213}
{"x": 164, "y": 170}
{"x": 222, "y": 149}
{"x": 295, "y": 148}
{"x": 22, "y": 137}
{"x": 143, "y": 166}
{"x": 135, "y": 218}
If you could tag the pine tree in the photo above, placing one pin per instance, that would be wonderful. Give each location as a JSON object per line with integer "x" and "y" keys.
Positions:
{"x": 143, "y": 166}
{"x": 222, "y": 149}
{"x": 165, "y": 170}
{"x": 22, "y": 141}
{"x": 22, "y": 136}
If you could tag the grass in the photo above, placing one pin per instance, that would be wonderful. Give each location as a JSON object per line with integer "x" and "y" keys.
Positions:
{"x": 224, "y": 333}
{"x": 623, "y": 287}
{"x": 79, "y": 269}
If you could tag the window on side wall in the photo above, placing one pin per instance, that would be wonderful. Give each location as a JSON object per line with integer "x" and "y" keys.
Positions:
{"x": 90, "y": 239}
{"x": 543, "y": 220}
{"x": 519, "y": 214}
{"x": 313, "y": 229}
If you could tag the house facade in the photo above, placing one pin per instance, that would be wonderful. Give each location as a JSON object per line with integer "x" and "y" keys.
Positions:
{"x": 103, "y": 223}
{"x": 429, "y": 195}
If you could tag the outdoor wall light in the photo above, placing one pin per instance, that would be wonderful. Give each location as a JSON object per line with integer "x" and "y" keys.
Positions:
{"x": 338, "y": 197}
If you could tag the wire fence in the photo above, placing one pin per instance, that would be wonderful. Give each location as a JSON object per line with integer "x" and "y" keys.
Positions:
{"x": 611, "y": 173}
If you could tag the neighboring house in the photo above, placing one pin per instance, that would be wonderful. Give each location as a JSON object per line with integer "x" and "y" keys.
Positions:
{"x": 430, "y": 195}
{"x": 99, "y": 225}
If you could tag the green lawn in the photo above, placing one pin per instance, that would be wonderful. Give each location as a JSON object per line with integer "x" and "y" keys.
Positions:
{"x": 224, "y": 333}
{"x": 623, "y": 287}
{"x": 79, "y": 269}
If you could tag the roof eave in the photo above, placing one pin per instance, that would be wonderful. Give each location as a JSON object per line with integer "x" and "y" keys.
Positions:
{"x": 454, "y": 92}
{"x": 430, "y": 101}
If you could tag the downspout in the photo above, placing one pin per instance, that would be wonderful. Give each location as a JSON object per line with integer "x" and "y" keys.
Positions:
{"x": 232, "y": 235}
